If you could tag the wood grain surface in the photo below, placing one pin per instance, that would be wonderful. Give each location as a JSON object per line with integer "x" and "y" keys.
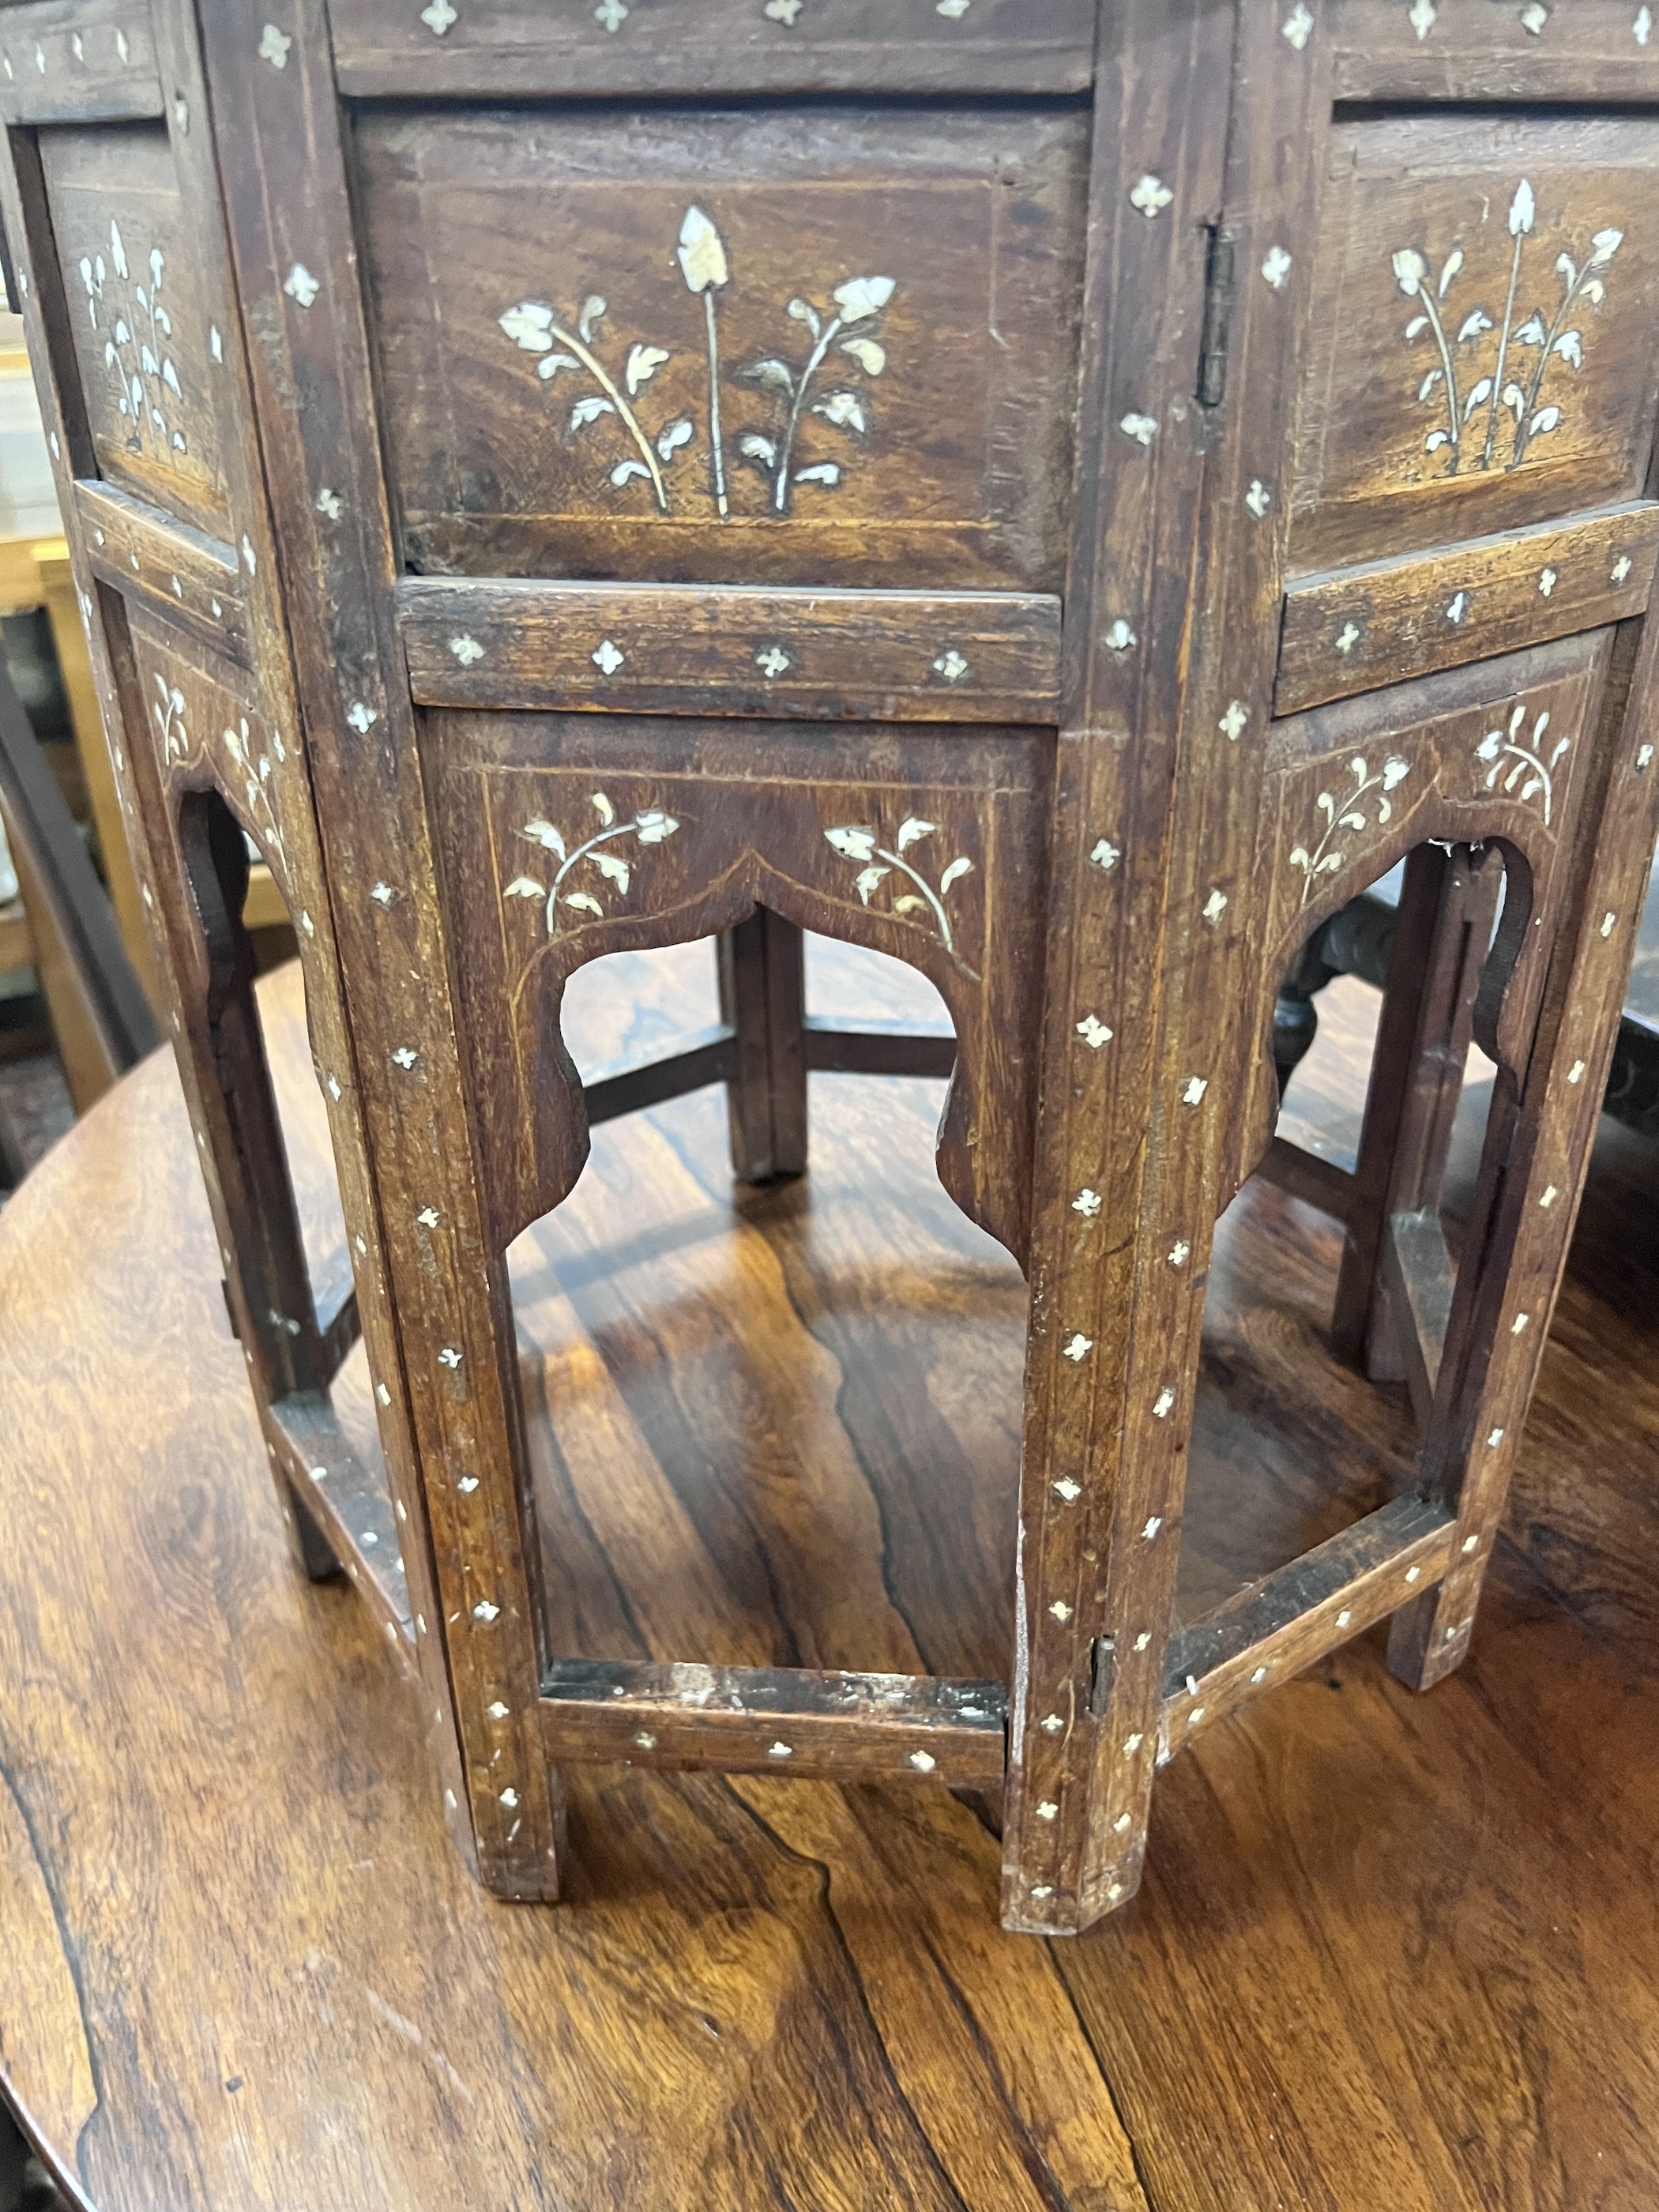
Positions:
{"x": 244, "y": 1965}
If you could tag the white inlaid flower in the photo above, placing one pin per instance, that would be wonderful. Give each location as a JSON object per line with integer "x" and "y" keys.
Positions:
{"x": 1277, "y": 267}
{"x": 1348, "y": 637}
{"x": 950, "y": 666}
{"x": 466, "y": 650}
{"x": 953, "y": 10}
{"x": 1196, "y": 1085}
{"x": 439, "y": 17}
{"x": 1297, "y": 26}
{"x": 1180, "y": 1252}
{"x": 1094, "y": 1032}
{"x": 1105, "y": 855}
{"x": 1215, "y": 906}
{"x": 300, "y": 285}
{"x": 362, "y": 719}
{"x": 612, "y": 14}
{"x": 783, "y": 11}
{"x": 1620, "y": 569}
{"x": 1121, "y": 638}
{"x": 1258, "y": 499}
{"x": 1422, "y": 15}
{"x": 1078, "y": 1347}
{"x": 773, "y": 661}
{"x": 1062, "y": 1610}
{"x": 1232, "y": 725}
{"x": 273, "y": 46}
{"x": 1143, "y": 429}
{"x": 1087, "y": 1203}
{"x": 1642, "y": 28}
{"x": 1151, "y": 195}
{"x": 1533, "y": 17}
{"x": 606, "y": 657}
{"x": 330, "y": 503}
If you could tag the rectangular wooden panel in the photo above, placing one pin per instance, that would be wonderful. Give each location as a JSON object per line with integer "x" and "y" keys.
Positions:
{"x": 181, "y": 574}
{"x": 523, "y": 48}
{"x": 782, "y": 1720}
{"x": 78, "y": 61}
{"x": 729, "y": 348}
{"x": 1526, "y": 50}
{"x": 1380, "y": 622}
{"x": 1479, "y": 352}
{"x": 668, "y": 648}
{"x": 145, "y": 342}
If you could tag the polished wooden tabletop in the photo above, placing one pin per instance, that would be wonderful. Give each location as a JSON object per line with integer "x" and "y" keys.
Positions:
{"x": 1393, "y": 1954}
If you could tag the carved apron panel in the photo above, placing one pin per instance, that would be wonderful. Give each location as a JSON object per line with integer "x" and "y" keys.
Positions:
{"x": 567, "y": 838}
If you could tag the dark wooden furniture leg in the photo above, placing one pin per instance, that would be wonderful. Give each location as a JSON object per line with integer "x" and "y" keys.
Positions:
{"x": 763, "y": 983}
{"x": 1423, "y": 1039}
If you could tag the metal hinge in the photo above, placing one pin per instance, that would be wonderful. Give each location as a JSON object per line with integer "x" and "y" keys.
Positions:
{"x": 1218, "y": 318}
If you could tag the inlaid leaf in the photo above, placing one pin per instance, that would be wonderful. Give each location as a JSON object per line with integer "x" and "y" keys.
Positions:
{"x": 909, "y": 904}
{"x": 1449, "y": 267}
{"x": 1545, "y": 419}
{"x": 544, "y": 833}
{"x": 912, "y": 830}
{"x": 673, "y": 435}
{"x": 527, "y": 326}
{"x": 525, "y": 887}
{"x": 654, "y": 825}
{"x": 624, "y": 470}
{"x": 954, "y": 873}
{"x": 1571, "y": 347}
{"x": 593, "y": 309}
{"x": 601, "y": 805}
{"x": 870, "y": 357}
{"x": 800, "y": 311}
{"x": 867, "y": 880}
{"x": 614, "y": 868}
{"x": 754, "y": 448}
{"x": 863, "y": 297}
{"x": 1520, "y": 210}
{"x": 1480, "y": 391}
{"x": 589, "y": 408}
{"x": 643, "y": 362}
{"x": 549, "y": 365}
{"x": 844, "y": 410}
{"x": 853, "y": 844}
{"x": 584, "y": 903}
{"x": 776, "y": 373}
{"x": 824, "y": 472}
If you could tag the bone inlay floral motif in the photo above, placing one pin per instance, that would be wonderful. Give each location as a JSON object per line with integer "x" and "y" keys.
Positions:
{"x": 137, "y": 353}
{"x": 920, "y": 904}
{"x": 1348, "y": 811}
{"x": 1500, "y": 389}
{"x": 1518, "y": 760}
{"x": 826, "y": 372}
{"x": 596, "y": 856}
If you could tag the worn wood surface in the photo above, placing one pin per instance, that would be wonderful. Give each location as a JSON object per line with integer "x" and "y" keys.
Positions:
{"x": 244, "y": 1966}
{"x": 522, "y": 47}
{"x": 890, "y": 656}
{"x": 1382, "y": 622}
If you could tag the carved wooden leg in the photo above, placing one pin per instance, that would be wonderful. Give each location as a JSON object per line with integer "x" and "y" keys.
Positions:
{"x": 1417, "y": 1076}
{"x": 268, "y": 1289}
{"x": 762, "y": 985}
{"x": 1537, "y": 1148}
